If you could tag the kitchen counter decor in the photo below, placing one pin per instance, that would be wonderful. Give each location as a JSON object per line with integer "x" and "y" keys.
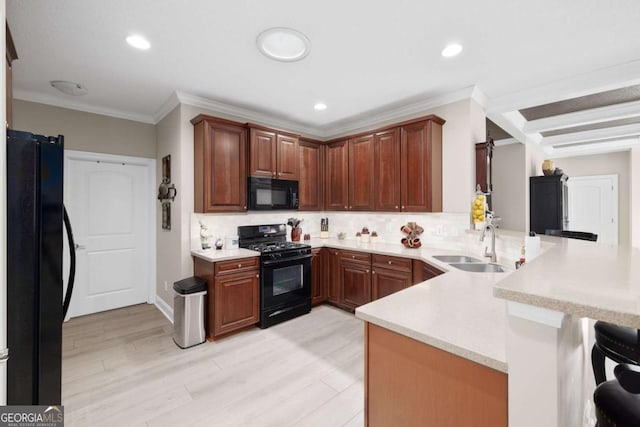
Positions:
{"x": 296, "y": 231}
{"x": 412, "y": 230}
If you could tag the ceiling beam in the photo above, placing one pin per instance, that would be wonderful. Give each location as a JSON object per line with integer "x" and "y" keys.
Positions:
{"x": 595, "y": 148}
{"x": 585, "y": 117}
{"x": 592, "y": 135}
{"x": 601, "y": 80}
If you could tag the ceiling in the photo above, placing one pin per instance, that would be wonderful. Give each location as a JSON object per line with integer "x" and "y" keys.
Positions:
{"x": 367, "y": 57}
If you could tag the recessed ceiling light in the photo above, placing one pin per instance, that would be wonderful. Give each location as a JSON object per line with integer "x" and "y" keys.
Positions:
{"x": 451, "y": 50}
{"x": 138, "y": 42}
{"x": 70, "y": 88}
{"x": 320, "y": 106}
{"x": 283, "y": 44}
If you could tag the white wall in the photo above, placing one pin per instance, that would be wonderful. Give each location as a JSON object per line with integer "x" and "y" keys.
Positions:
{"x": 86, "y": 131}
{"x": 509, "y": 196}
{"x": 465, "y": 126}
{"x": 606, "y": 164}
{"x": 634, "y": 158}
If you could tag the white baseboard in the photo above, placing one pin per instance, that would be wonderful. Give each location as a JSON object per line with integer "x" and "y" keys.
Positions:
{"x": 164, "y": 308}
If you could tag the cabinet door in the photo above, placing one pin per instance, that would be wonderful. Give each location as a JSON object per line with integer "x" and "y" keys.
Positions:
{"x": 386, "y": 164}
{"x": 361, "y": 173}
{"x": 220, "y": 171}
{"x": 262, "y": 153}
{"x": 337, "y": 176}
{"x": 333, "y": 276}
{"x": 237, "y": 299}
{"x": 423, "y": 271}
{"x": 288, "y": 161}
{"x": 385, "y": 281}
{"x": 356, "y": 284}
{"x": 310, "y": 184}
{"x": 318, "y": 284}
{"x": 421, "y": 166}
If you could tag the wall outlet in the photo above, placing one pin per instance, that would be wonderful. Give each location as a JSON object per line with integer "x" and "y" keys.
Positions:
{"x": 166, "y": 286}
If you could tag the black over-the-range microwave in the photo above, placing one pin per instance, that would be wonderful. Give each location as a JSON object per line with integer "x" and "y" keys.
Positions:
{"x": 265, "y": 194}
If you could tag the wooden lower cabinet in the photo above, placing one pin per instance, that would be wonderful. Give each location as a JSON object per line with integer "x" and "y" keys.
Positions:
{"x": 236, "y": 302}
{"x": 385, "y": 281}
{"x": 332, "y": 269}
{"x": 356, "y": 284}
{"x": 233, "y": 294}
{"x": 423, "y": 271}
{"x": 409, "y": 383}
{"x": 318, "y": 281}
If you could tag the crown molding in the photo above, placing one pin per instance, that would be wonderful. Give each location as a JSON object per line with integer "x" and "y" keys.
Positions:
{"x": 81, "y": 106}
{"x": 168, "y": 106}
{"x": 506, "y": 141}
{"x": 248, "y": 114}
{"x": 404, "y": 112}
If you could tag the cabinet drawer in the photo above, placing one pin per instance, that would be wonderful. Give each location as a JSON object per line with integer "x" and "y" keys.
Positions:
{"x": 237, "y": 265}
{"x": 392, "y": 262}
{"x": 354, "y": 256}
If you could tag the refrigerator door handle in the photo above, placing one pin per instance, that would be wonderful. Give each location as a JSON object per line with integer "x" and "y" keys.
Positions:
{"x": 72, "y": 264}
{"x": 80, "y": 247}
{"x": 4, "y": 354}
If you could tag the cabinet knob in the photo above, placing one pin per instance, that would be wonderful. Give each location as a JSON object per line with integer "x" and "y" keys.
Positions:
{"x": 274, "y": 174}
{"x": 396, "y": 206}
{"x": 245, "y": 207}
{"x": 239, "y": 265}
{"x": 389, "y": 262}
{"x": 402, "y": 207}
{"x": 373, "y": 272}
{"x": 353, "y": 256}
{"x": 258, "y": 276}
{"x": 366, "y": 271}
{"x": 345, "y": 207}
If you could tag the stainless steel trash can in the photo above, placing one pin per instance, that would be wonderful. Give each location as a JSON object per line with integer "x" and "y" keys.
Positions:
{"x": 188, "y": 311}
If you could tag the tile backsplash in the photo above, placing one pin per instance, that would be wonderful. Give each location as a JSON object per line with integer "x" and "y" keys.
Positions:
{"x": 444, "y": 230}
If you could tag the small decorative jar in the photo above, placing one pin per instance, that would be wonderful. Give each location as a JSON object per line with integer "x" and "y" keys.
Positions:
{"x": 296, "y": 232}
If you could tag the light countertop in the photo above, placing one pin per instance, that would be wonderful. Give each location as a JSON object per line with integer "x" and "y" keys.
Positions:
{"x": 582, "y": 278}
{"x": 214, "y": 255}
{"x": 465, "y": 313}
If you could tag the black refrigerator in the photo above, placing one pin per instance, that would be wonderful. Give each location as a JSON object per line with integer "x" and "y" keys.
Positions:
{"x": 35, "y": 216}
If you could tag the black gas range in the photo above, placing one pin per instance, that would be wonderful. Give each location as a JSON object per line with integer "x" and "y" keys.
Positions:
{"x": 285, "y": 272}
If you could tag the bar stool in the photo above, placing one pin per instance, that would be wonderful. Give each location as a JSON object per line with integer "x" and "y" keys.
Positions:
{"x": 618, "y": 343}
{"x": 618, "y": 401}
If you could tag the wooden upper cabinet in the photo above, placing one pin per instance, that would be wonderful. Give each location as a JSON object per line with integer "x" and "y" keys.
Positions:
{"x": 220, "y": 177}
{"x": 262, "y": 149}
{"x": 361, "y": 173}
{"x": 386, "y": 170}
{"x": 421, "y": 166}
{"x": 310, "y": 184}
{"x": 273, "y": 154}
{"x": 288, "y": 160}
{"x": 337, "y": 178}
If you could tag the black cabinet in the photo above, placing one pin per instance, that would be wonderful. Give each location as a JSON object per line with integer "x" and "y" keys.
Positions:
{"x": 548, "y": 203}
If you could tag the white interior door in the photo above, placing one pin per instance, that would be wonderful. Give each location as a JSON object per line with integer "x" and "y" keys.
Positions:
{"x": 593, "y": 206}
{"x": 108, "y": 207}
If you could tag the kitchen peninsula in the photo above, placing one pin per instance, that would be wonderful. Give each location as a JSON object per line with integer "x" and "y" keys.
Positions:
{"x": 536, "y": 337}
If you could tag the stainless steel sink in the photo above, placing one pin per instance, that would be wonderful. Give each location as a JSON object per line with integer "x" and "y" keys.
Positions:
{"x": 456, "y": 258}
{"x": 480, "y": 267}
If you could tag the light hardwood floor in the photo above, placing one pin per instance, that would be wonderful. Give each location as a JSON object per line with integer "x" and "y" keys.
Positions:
{"x": 122, "y": 368}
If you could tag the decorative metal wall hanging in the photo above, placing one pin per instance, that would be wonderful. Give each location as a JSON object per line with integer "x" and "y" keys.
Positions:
{"x": 167, "y": 192}
{"x": 166, "y": 215}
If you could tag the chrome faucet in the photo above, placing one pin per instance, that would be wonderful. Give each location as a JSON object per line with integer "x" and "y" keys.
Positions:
{"x": 491, "y": 227}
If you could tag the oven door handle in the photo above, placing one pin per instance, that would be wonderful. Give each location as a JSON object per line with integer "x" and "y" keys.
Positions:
{"x": 283, "y": 260}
